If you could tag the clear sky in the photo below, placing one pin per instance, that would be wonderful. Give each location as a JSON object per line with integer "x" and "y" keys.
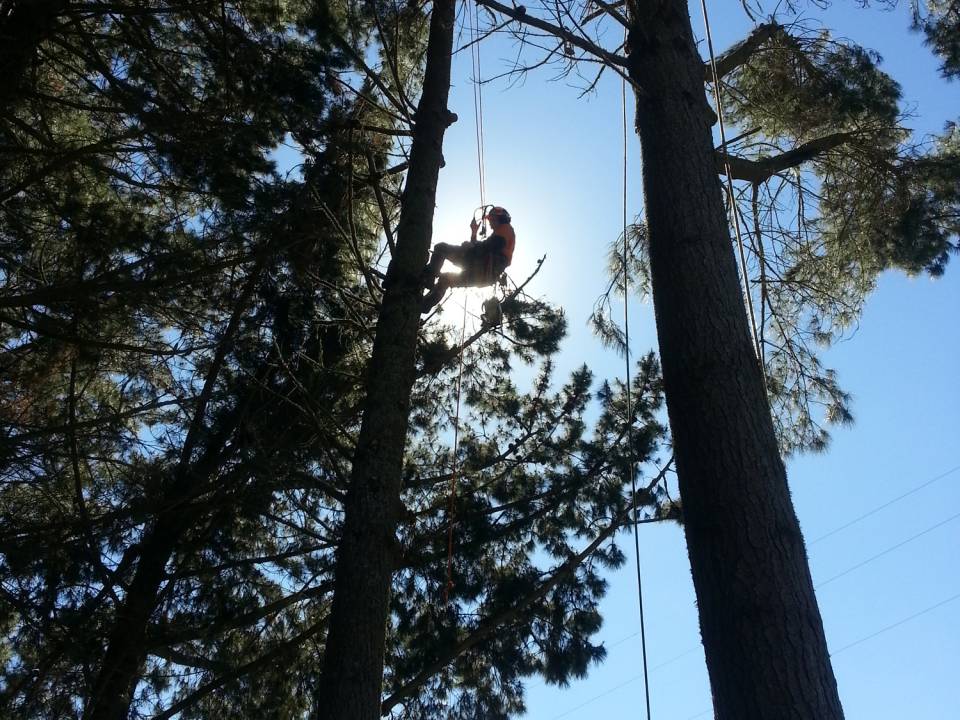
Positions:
{"x": 554, "y": 161}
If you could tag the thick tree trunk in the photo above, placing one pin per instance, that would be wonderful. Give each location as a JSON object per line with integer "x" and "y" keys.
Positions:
{"x": 368, "y": 554}
{"x": 762, "y": 633}
{"x": 122, "y": 665}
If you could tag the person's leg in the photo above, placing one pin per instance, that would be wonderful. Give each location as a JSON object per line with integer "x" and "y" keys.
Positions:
{"x": 437, "y": 292}
{"x": 443, "y": 251}
{"x": 480, "y": 271}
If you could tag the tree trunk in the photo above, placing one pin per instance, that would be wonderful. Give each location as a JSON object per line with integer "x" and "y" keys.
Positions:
{"x": 368, "y": 553}
{"x": 762, "y": 633}
{"x": 122, "y": 664}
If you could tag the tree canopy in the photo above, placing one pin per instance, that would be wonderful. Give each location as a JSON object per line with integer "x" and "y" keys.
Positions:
{"x": 186, "y": 326}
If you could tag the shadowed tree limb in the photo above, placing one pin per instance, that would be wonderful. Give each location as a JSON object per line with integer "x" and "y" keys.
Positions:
{"x": 241, "y": 671}
{"x": 756, "y": 171}
{"x": 742, "y": 51}
{"x": 519, "y": 13}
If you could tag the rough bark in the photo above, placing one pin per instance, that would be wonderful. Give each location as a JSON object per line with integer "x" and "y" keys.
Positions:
{"x": 368, "y": 554}
{"x": 762, "y": 633}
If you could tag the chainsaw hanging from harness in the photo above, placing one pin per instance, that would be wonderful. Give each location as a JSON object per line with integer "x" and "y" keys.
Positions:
{"x": 492, "y": 314}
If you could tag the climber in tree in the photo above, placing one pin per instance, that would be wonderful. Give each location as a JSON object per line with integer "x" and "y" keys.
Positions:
{"x": 481, "y": 262}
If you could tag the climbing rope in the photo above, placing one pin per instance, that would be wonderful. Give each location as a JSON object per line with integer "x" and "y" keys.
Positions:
{"x": 632, "y": 468}
{"x": 729, "y": 185}
{"x": 473, "y": 20}
{"x": 474, "y": 25}
{"x": 452, "y": 503}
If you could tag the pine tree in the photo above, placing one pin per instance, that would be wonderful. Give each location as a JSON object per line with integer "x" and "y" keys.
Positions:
{"x": 187, "y": 334}
{"x": 830, "y": 109}
{"x": 143, "y": 229}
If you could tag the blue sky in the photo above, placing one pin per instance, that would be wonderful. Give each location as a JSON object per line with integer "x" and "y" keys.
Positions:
{"x": 554, "y": 161}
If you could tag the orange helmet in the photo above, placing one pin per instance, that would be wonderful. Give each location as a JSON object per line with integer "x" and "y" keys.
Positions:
{"x": 497, "y": 213}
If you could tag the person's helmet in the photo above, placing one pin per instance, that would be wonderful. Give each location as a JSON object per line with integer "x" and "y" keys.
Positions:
{"x": 499, "y": 214}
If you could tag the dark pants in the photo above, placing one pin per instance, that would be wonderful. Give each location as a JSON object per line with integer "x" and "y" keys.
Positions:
{"x": 478, "y": 269}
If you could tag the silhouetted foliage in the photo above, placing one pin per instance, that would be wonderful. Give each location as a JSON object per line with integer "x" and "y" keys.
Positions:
{"x": 186, "y": 317}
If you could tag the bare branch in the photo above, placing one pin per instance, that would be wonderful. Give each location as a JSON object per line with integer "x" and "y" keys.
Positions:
{"x": 520, "y": 14}
{"x": 378, "y": 193}
{"x": 607, "y": 9}
{"x": 374, "y": 77}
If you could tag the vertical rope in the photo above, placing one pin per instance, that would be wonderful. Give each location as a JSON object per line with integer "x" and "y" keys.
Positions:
{"x": 632, "y": 468}
{"x": 455, "y": 467}
{"x": 729, "y": 185}
{"x": 473, "y": 20}
{"x": 474, "y": 24}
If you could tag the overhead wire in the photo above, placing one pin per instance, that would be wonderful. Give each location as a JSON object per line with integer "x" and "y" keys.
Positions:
{"x": 886, "y": 552}
{"x": 869, "y": 636}
{"x": 885, "y": 505}
{"x": 896, "y": 624}
{"x": 623, "y": 684}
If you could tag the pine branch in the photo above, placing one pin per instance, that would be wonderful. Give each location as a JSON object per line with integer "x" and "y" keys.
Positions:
{"x": 160, "y": 637}
{"x": 756, "y": 171}
{"x": 455, "y": 352}
{"x": 740, "y": 53}
{"x": 374, "y": 77}
{"x": 242, "y": 670}
{"x": 490, "y": 626}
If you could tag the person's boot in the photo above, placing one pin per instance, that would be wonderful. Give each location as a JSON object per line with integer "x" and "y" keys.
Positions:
{"x": 427, "y": 276}
{"x": 430, "y": 299}
{"x": 431, "y": 271}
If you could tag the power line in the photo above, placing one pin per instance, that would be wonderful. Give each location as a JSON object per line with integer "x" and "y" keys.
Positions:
{"x": 886, "y": 504}
{"x": 874, "y": 634}
{"x": 633, "y": 679}
{"x": 887, "y": 551}
{"x": 898, "y": 623}
{"x": 857, "y": 519}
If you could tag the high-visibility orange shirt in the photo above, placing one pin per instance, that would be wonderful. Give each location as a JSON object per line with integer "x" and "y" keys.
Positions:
{"x": 503, "y": 241}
